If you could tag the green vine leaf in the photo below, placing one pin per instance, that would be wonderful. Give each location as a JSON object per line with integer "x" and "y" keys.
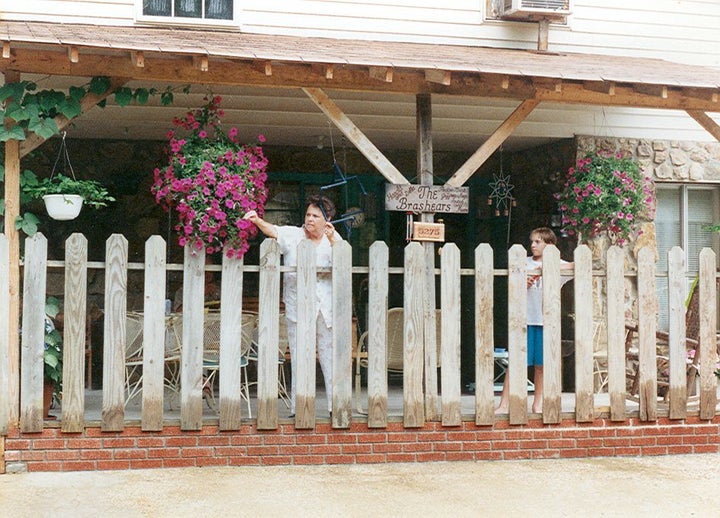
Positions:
{"x": 28, "y": 223}
{"x": 166, "y": 98}
{"x": 76, "y": 92}
{"x": 142, "y": 95}
{"x": 123, "y": 96}
{"x": 44, "y": 128}
{"x": 13, "y": 90}
{"x": 70, "y": 107}
{"x": 99, "y": 85}
{"x": 13, "y": 133}
{"x": 18, "y": 112}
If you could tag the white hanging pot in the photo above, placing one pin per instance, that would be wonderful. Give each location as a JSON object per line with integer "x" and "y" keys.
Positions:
{"x": 63, "y": 206}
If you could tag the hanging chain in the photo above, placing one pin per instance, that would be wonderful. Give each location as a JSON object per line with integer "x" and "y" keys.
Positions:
{"x": 63, "y": 152}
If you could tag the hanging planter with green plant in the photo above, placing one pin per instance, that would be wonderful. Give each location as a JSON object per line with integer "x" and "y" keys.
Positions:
{"x": 64, "y": 195}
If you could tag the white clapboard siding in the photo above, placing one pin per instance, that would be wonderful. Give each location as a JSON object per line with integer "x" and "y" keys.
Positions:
{"x": 33, "y": 331}
{"x": 678, "y": 31}
{"x": 75, "y": 308}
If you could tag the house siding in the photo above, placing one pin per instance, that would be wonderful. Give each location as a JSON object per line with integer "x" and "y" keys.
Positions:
{"x": 684, "y": 31}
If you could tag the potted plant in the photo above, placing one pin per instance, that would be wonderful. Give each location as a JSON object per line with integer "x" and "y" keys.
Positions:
{"x": 605, "y": 193}
{"x": 64, "y": 196}
{"x": 52, "y": 356}
{"x": 212, "y": 180}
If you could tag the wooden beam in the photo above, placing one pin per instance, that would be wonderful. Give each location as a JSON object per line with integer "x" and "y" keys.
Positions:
{"x": 354, "y": 135}
{"x": 264, "y": 67}
{"x": 492, "y": 143}
{"x": 73, "y": 54}
{"x": 384, "y": 74}
{"x": 706, "y": 122}
{"x": 138, "y": 58}
{"x": 654, "y": 90}
{"x": 201, "y": 63}
{"x": 6, "y": 53}
{"x": 605, "y": 87}
{"x": 442, "y": 77}
{"x": 347, "y": 77}
{"x": 89, "y": 101}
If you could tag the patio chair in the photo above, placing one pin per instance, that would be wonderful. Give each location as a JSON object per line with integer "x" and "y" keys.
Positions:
{"x": 211, "y": 356}
{"x": 133, "y": 355}
{"x": 394, "y": 347}
{"x": 283, "y": 357}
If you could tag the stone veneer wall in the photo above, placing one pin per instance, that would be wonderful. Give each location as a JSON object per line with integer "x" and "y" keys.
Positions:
{"x": 665, "y": 161}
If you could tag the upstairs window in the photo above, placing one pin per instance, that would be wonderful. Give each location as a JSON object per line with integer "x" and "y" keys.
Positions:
{"x": 189, "y": 10}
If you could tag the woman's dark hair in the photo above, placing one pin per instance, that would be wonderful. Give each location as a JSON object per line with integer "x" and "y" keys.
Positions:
{"x": 324, "y": 204}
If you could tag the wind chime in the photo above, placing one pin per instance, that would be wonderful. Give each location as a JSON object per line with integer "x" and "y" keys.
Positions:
{"x": 501, "y": 196}
{"x": 351, "y": 217}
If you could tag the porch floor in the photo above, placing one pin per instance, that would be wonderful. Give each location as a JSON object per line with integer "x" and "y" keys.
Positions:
{"x": 133, "y": 409}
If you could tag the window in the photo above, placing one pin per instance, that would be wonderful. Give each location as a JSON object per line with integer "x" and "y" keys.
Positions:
{"x": 683, "y": 212}
{"x": 189, "y": 10}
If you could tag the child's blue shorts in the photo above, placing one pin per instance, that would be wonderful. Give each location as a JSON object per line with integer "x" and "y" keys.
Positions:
{"x": 534, "y": 345}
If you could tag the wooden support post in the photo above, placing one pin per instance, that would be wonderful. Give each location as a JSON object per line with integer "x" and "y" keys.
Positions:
{"x": 423, "y": 105}
{"x": 12, "y": 211}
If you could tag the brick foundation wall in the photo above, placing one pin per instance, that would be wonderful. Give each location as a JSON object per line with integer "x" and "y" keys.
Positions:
{"x": 93, "y": 449}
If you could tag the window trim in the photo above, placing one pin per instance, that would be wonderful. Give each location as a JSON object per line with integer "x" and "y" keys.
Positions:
{"x": 188, "y": 22}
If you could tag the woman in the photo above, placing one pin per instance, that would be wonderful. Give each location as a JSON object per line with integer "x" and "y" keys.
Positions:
{"x": 322, "y": 234}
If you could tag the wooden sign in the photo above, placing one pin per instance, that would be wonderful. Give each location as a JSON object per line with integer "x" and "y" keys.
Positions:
{"x": 426, "y": 198}
{"x": 428, "y": 231}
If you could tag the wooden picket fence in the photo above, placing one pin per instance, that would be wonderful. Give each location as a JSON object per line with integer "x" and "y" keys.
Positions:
{"x": 421, "y": 401}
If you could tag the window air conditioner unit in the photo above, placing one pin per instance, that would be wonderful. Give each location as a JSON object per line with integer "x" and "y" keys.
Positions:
{"x": 536, "y": 10}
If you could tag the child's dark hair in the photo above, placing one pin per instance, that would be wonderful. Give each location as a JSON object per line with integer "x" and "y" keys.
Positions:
{"x": 324, "y": 204}
{"x": 546, "y": 234}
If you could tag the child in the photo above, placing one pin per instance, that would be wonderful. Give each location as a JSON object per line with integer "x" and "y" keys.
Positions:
{"x": 539, "y": 239}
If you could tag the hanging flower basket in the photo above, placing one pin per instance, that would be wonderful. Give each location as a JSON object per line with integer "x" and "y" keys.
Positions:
{"x": 63, "y": 207}
{"x": 605, "y": 194}
{"x": 211, "y": 181}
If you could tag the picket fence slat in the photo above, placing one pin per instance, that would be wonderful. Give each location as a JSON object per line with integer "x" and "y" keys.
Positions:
{"x": 450, "y": 335}
{"x": 377, "y": 385}
{"x": 268, "y": 333}
{"x": 73, "y": 391}
{"x": 615, "y": 328}
{"x": 647, "y": 314}
{"x": 708, "y": 326}
{"x": 231, "y": 336}
{"x": 677, "y": 390}
{"x": 584, "y": 381}
{"x": 304, "y": 357}
{"x": 484, "y": 341}
{"x": 342, "y": 335}
{"x": 517, "y": 334}
{"x": 113, "y": 406}
{"x": 191, "y": 372}
{"x": 33, "y": 331}
{"x": 413, "y": 398}
{"x": 552, "y": 402}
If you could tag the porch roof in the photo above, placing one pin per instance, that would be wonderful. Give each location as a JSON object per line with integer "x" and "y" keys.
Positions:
{"x": 177, "y": 42}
